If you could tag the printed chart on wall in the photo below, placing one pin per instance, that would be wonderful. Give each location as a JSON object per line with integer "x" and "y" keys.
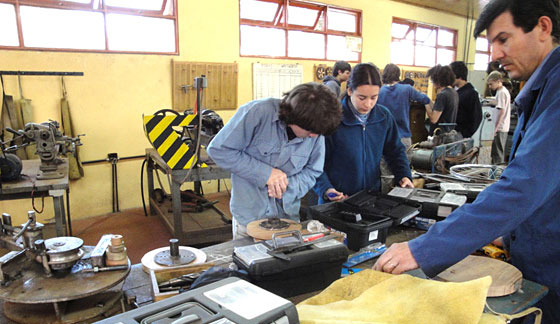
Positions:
{"x": 272, "y": 80}
{"x": 420, "y": 80}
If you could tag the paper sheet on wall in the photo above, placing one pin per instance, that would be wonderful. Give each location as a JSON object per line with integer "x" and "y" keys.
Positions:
{"x": 272, "y": 80}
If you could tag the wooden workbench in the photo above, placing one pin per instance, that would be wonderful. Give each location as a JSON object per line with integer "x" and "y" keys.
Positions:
{"x": 28, "y": 186}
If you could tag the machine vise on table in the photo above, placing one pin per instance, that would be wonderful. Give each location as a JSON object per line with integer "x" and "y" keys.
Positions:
{"x": 443, "y": 151}
{"x": 49, "y": 141}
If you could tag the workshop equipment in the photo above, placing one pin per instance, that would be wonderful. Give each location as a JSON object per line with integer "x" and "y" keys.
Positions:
{"x": 506, "y": 279}
{"x": 263, "y": 229}
{"x": 172, "y": 257}
{"x": 170, "y": 282}
{"x": 365, "y": 217}
{"x": 435, "y": 204}
{"x": 50, "y": 142}
{"x": 115, "y": 254}
{"x": 293, "y": 267}
{"x": 41, "y": 272}
{"x": 471, "y": 190}
{"x": 438, "y": 155}
{"x": 477, "y": 173}
{"x": 230, "y": 300}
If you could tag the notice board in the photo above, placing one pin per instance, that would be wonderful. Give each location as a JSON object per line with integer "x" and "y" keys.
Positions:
{"x": 272, "y": 80}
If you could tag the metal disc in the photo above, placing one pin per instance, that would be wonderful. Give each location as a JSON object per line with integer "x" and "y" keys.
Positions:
{"x": 164, "y": 258}
{"x": 274, "y": 224}
{"x": 63, "y": 244}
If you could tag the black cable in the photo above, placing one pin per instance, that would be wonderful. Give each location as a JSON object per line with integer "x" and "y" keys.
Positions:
{"x": 142, "y": 186}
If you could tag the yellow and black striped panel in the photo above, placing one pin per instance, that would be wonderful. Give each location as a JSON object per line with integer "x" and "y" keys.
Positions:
{"x": 159, "y": 130}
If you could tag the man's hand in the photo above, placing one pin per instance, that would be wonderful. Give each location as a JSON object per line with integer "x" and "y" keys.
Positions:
{"x": 277, "y": 183}
{"x": 333, "y": 195}
{"x": 406, "y": 183}
{"x": 396, "y": 260}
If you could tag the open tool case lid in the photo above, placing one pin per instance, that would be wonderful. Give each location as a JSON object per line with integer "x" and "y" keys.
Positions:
{"x": 435, "y": 204}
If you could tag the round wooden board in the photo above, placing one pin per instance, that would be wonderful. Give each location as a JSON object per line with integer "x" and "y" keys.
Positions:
{"x": 148, "y": 262}
{"x": 506, "y": 279}
{"x": 259, "y": 233}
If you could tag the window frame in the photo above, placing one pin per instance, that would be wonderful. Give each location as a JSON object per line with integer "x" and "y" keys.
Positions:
{"x": 279, "y": 22}
{"x": 91, "y": 7}
{"x": 414, "y": 25}
{"x": 487, "y": 52}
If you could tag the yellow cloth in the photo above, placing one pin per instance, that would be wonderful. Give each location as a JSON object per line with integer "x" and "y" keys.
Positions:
{"x": 376, "y": 297}
{"x": 75, "y": 170}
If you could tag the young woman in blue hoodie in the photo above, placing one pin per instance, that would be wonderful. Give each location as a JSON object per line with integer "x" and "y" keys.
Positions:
{"x": 367, "y": 132}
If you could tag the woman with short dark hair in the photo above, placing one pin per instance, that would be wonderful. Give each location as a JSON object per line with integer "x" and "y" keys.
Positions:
{"x": 443, "y": 114}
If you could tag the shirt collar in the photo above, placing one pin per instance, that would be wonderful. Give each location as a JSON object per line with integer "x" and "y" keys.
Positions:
{"x": 537, "y": 80}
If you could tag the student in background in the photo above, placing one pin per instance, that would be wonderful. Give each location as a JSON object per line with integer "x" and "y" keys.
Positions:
{"x": 366, "y": 133}
{"x": 503, "y": 104}
{"x": 341, "y": 72}
{"x": 469, "y": 113}
{"x": 443, "y": 115}
{"x": 397, "y": 98}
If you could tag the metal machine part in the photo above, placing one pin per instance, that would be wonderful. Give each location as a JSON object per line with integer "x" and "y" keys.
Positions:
{"x": 173, "y": 256}
{"x": 482, "y": 173}
{"x": 10, "y": 166}
{"x": 31, "y": 231}
{"x": 50, "y": 142}
{"x": 439, "y": 158}
{"x": 273, "y": 223}
{"x": 64, "y": 251}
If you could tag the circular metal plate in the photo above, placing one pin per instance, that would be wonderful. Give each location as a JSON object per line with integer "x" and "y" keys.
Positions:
{"x": 63, "y": 244}
{"x": 274, "y": 224}
{"x": 165, "y": 258}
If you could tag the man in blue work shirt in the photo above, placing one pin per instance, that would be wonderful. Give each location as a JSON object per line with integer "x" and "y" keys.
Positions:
{"x": 274, "y": 151}
{"x": 524, "y": 205}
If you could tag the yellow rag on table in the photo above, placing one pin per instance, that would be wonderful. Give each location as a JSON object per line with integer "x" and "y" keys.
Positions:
{"x": 375, "y": 297}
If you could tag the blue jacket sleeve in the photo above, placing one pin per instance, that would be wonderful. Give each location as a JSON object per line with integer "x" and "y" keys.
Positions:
{"x": 394, "y": 151}
{"x": 227, "y": 147}
{"x": 300, "y": 183}
{"x": 418, "y": 96}
{"x": 527, "y": 184}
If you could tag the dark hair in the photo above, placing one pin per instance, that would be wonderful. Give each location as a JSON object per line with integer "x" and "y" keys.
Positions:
{"x": 525, "y": 14}
{"x": 442, "y": 75}
{"x": 311, "y": 106}
{"x": 408, "y": 81}
{"x": 364, "y": 74}
{"x": 460, "y": 69}
{"x": 391, "y": 73}
{"x": 341, "y": 66}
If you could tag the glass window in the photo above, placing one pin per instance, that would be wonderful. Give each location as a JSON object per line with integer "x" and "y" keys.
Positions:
{"x": 311, "y": 30}
{"x": 419, "y": 44}
{"x": 482, "y": 56}
{"x": 8, "y": 25}
{"x": 139, "y": 26}
{"x": 272, "y": 41}
{"x": 57, "y": 28}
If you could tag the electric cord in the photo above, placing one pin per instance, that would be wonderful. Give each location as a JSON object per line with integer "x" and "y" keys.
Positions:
{"x": 142, "y": 186}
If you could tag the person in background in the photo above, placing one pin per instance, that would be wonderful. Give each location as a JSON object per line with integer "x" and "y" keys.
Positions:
{"x": 503, "y": 104}
{"x": 443, "y": 115}
{"x": 469, "y": 112}
{"x": 408, "y": 81}
{"x": 274, "y": 151}
{"x": 341, "y": 72}
{"x": 366, "y": 133}
{"x": 523, "y": 206}
{"x": 397, "y": 98}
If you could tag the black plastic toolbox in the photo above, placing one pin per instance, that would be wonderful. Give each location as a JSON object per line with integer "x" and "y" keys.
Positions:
{"x": 370, "y": 229}
{"x": 311, "y": 268}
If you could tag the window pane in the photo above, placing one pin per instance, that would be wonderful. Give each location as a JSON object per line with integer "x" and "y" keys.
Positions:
{"x": 337, "y": 49}
{"x": 136, "y": 33}
{"x": 55, "y": 28}
{"x": 427, "y": 36}
{"x": 399, "y": 30}
{"x": 481, "y": 61}
{"x": 136, "y": 4}
{"x": 8, "y": 25}
{"x": 262, "y": 41}
{"x": 445, "y": 38}
{"x": 402, "y": 53}
{"x": 445, "y": 57}
{"x": 307, "y": 45}
{"x": 302, "y": 16}
{"x": 258, "y": 10}
{"x": 78, "y": 1}
{"x": 425, "y": 56}
{"x": 341, "y": 21}
{"x": 482, "y": 44}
